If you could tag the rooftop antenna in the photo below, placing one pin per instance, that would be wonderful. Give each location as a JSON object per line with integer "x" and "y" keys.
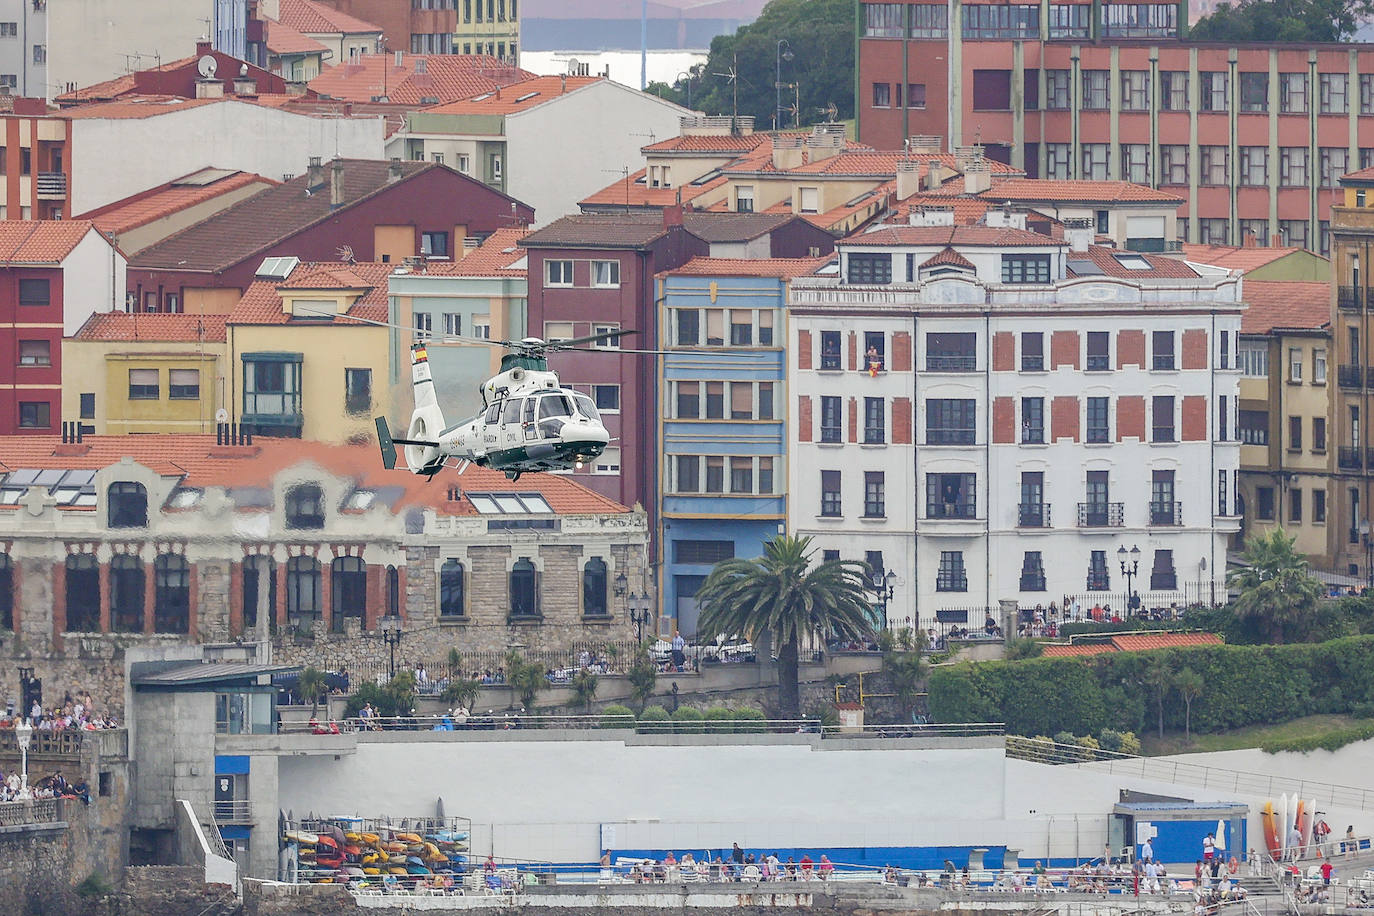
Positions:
{"x": 733, "y": 76}
{"x": 643, "y": 45}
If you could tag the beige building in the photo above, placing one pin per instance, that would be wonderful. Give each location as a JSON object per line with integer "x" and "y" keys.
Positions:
{"x": 490, "y": 27}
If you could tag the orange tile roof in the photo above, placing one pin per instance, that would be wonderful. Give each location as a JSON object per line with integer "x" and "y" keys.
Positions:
{"x": 261, "y": 303}
{"x": 634, "y": 191}
{"x": 974, "y": 236}
{"x": 1146, "y": 641}
{"x": 782, "y": 268}
{"x": 495, "y": 256}
{"x": 282, "y": 39}
{"x": 1107, "y": 262}
{"x": 164, "y": 200}
{"x": 158, "y": 327}
{"x": 1366, "y": 174}
{"x": 949, "y": 257}
{"x": 33, "y": 241}
{"x": 724, "y": 144}
{"x": 1244, "y": 258}
{"x": 866, "y": 161}
{"x": 520, "y": 96}
{"x": 309, "y": 17}
{"x": 197, "y": 461}
{"x": 1077, "y": 649}
{"x": 446, "y": 78}
{"x": 968, "y": 211}
{"x": 140, "y": 106}
{"x": 1290, "y": 304}
{"x": 1042, "y": 189}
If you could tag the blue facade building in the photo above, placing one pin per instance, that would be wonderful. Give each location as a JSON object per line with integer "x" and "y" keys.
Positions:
{"x": 722, "y": 424}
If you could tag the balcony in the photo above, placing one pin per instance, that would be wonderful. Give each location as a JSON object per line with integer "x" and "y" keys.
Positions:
{"x": 235, "y": 811}
{"x": 951, "y": 362}
{"x": 1163, "y": 581}
{"x": 1349, "y": 298}
{"x": 1032, "y": 582}
{"x": 951, "y": 510}
{"x": 1099, "y": 581}
{"x": 1166, "y": 513}
{"x": 1101, "y": 515}
{"x": 1033, "y": 515}
{"x": 830, "y": 362}
{"x": 52, "y": 186}
{"x": 1350, "y": 376}
{"x": 1099, "y": 362}
{"x": 951, "y": 581}
{"x": 1348, "y": 458}
{"x": 1033, "y": 363}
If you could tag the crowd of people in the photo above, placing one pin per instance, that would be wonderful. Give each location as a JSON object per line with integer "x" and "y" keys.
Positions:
{"x": 54, "y": 785}
{"x": 75, "y": 712}
{"x": 738, "y": 866}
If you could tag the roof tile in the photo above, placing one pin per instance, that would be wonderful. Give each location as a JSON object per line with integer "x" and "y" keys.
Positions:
{"x": 1248, "y": 257}
{"x": 1077, "y": 649}
{"x": 280, "y": 38}
{"x": 516, "y": 97}
{"x": 446, "y": 78}
{"x": 261, "y": 303}
{"x": 1041, "y": 189}
{"x": 495, "y": 257}
{"x": 153, "y": 327}
{"x": 1289, "y": 304}
{"x": 634, "y": 191}
{"x": 164, "y": 200}
{"x": 1145, "y": 641}
{"x": 947, "y": 257}
{"x": 783, "y": 268}
{"x": 1110, "y": 265}
{"x": 32, "y": 241}
{"x": 972, "y": 236}
{"x": 309, "y": 17}
{"x": 632, "y": 229}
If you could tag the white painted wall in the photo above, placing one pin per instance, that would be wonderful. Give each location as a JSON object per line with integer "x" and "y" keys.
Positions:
{"x": 16, "y": 54}
{"x": 92, "y": 281}
{"x": 88, "y": 39}
{"x": 110, "y": 159}
{"x": 563, "y": 151}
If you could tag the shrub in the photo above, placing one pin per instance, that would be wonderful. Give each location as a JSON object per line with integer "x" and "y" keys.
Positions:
{"x": 717, "y": 714}
{"x": 652, "y": 719}
{"x": 95, "y": 885}
{"x": 617, "y": 717}
{"x": 1333, "y": 740}
{"x": 689, "y": 721}
{"x": 746, "y": 715}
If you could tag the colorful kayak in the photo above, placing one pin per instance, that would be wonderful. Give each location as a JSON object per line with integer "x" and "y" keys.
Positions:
{"x": 1271, "y": 830}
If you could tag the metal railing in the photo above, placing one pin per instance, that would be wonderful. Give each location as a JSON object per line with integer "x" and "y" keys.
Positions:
{"x": 1166, "y": 513}
{"x": 488, "y": 667}
{"x": 1101, "y": 515}
{"x": 235, "y": 811}
{"x": 52, "y": 186}
{"x": 1349, "y": 298}
{"x": 1033, "y": 515}
{"x": 956, "y": 362}
{"x": 510, "y": 720}
{"x": 1350, "y": 457}
{"x": 1350, "y": 376}
{"x": 963, "y": 510}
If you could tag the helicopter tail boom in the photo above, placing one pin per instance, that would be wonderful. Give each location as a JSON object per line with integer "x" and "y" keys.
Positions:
{"x": 427, "y": 420}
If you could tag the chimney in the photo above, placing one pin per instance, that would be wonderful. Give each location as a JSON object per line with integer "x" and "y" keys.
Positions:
{"x": 935, "y": 174}
{"x": 563, "y": 82}
{"x": 336, "y": 175}
{"x": 245, "y": 85}
{"x": 1079, "y": 233}
{"x": 209, "y": 89}
{"x": 931, "y": 216}
{"x": 203, "y": 47}
{"x": 908, "y": 178}
{"x": 977, "y": 177}
{"x": 314, "y": 174}
{"x": 393, "y": 171}
{"x": 672, "y": 216}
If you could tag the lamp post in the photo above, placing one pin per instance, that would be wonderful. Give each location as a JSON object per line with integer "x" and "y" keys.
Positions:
{"x": 1130, "y": 572}
{"x": 639, "y": 613}
{"x": 884, "y": 587}
{"x": 390, "y": 625}
{"x": 777, "y": 82}
{"x": 23, "y": 732}
{"x": 686, "y": 77}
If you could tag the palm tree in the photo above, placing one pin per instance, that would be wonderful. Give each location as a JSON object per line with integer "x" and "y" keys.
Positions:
{"x": 1190, "y": 686}
{"x": 461, "y": 691}
{"x": 584, "y": 688}
{"x": 527, "y": 678}
{"x": 312, "y": 684}
{"x": 642, "y": 677}
{"x": 906, "y": 672}
{"x": 1276, "y": 587}
{"x": 1159, "y": 677}
{"x": 781, "y": 594}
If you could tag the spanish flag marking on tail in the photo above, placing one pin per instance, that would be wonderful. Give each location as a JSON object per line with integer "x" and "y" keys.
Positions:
{"x": 420, "y": 354}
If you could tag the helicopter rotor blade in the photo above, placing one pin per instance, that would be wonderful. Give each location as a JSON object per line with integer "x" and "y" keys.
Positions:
{"x": 573, "y": 342}
{"x": 425, "y": 336}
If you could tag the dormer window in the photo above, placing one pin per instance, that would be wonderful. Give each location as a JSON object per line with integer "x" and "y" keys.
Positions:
{"x": 128, "y": 505}
{"x": 305, "y": 506}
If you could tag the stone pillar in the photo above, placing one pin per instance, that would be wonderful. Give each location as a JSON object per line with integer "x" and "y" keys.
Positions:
{"x": 149, "y": 594}
{"x": 193, "y": 602}
{"x": 104, "y": 573}
{"x": 59, "y": 603}
{"x": 376, "y": 596}
{"x": 1009, "y": 619}
{"x": 280, "y": 610}
{"x": 326, "y": 592}
{"x": 401, "y": 593}
{"x": 235, "y": 599}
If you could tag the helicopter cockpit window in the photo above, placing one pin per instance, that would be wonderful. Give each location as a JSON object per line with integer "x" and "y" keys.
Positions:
{"x": 513, "y": 410}
{"x": 587, "y": 408}
{"x": 554, "y": 405}
{"x": 529, "y": 409}
{"x": 494, "y": 412}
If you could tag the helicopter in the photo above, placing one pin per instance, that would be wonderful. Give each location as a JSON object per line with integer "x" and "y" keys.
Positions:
{"x": 529, "y": 421}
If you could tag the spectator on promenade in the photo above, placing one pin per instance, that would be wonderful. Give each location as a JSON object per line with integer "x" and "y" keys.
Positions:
{"x": 826, "y": 868}
{"x": 806, "y": 867}
{"x": 737, "y": 855}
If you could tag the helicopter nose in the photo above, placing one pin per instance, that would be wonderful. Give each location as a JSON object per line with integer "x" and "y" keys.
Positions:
{"x": 585, "y": 431}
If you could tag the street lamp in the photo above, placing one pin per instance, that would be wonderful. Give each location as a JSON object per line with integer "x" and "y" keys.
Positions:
{"x": 1130, "y": 572}
{"x": 640, "y": 606}
{"x": 24, "y": 733}
{"x": 777, "y": 82}
{"x": 390, "y": 625}
{"x": 686, "y": 77}
{"x": 884, "y": 587}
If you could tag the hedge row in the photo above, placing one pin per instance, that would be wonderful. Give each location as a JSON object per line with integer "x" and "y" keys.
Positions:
{"x": 1331, "y": 619}
{"x": 1333, "y": 740}
{"x": 1245, "y": 685}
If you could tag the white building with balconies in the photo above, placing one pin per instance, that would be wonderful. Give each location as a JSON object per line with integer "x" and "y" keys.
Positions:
{"x": 992, "y": 413}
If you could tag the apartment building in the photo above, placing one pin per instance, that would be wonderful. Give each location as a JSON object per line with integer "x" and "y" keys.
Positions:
{"x": 991, "y": 413}
{"x": 490, "y": 27}
{"x": 1253, "y": 137}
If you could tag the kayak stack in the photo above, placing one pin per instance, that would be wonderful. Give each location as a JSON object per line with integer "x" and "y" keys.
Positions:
{"x": 336, "y": 855}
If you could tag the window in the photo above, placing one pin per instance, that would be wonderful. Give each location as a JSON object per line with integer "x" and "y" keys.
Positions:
{"x": 831, "y": 418}
{"x": 1025, "y": 268}
{"x": 1095, "y": 161}
{"x": 144, "y": 385}
{"x": 1212, "y": 86}
{"x": 715, "y": 400}
{"x": 558, "y": 273}
{"x": 434, "y": 244}
{"x": 34, "y": 292}
{"x": 1295, "y": 505}
{"x": 688, "y": 477}
{"x": 1295, "y": 434}
{"x": 1293, "y": 93}
{"x": 883, "y": 20}
{"x": 741, "y": 475}
{"x": 929, "y": 21}
{"x": 951, "y": 496}
{"x": 741, "y": 328}
{"x": 1099, "y": 351}
{"x": 1319, "y": 366}
{"x": 882, "y": 95}
{"x": 951, "y": 352}
{"x": 1293, "y": 169}
{"x": 1032, "y": 569}
{"x": 1215, "y": 164}
{"x": 305, "y": 507}
{"x": 1057, "y": 160}
{"x": 35, "y": 415}
{"x": 126, "y": 505}
{"x": 35, "y": 353}
{"x": 875, "y": 421}
{"x": 1319, "y": 434}
{"x": 606, "y": 398}
{"x": 87, "y": 405}
{"x": 950, "y": 421}
{"x": 830, "y": 494}
{"x": 1295, "y": 364}
{"x": 1162, "y": 574}
{"x": 1057, "y": 95}
{"x": 1264, "y": 498}
{"x": 1135, "y": 89}
{"x": 9, "y": 29}
{"x": 1173, "y": 90}
{"x": 1099, "y": 575}
{"x": 608, "y": 462}
{"x": 1253, "y": 427}
{"x": 1254, "y": 165}
{"x": 1032, "y": 351}
{"x": 524, "y": 589}
{"x": 126, "y": 593}
{"x": 1033, "y": 421}
{"x": 1096, "y": 92}
{"x": 1163, "y": 350}
{"x": 271, "y": 387}
{"x": 1333, "y": 162}
{"x": 1163, "y": 418}
{"x": 766, "y": 327}
{"x": 82, "y": 592}
{"x": 688, "y": 400}
{"x": 1163, "y": 508}
{"x": 810, "y": 200}
{"x": 991, "y": 90}
{"x": 1335, "y": 93}
{"x": 830, "y": 350}
{"x": 874, "y": 495}
{"x": 607, "y": 336}
{"x": 702, "y": 553}
{"x": 1254, "y": 92}
{"x": 183, "y": 384}
{"x": 303, "y": 592}
{"x": 1293, "y": 232}
{"x": 1319, "y": 506}
{"x": 1032, "y": 511}
{"x": 606, "y": 273}
{"x": 1002, "y": 22}
{"x": 915, "y": 98}
{"x": 424, "y": 325}
{"x": 1223, "y": 418}
{"x": 952, "y": 576}
{"x": 594, "y": 603}
{"x": 688, "y": 327}
{"x": 348, "y": 591}
{"x": 870, "y": 268}
{"x": 1139, "y": 20}
{"x": 1173, "y": 164}
{"x": 452, "y": 589}
{"x": 1099, "y": 420}
{"x": 1135, "y": 163}
{"x": 744, "y": 199}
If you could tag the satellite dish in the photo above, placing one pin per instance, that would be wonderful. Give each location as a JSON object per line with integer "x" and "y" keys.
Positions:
{"x": 206, "y": 66}
{"x": 574, "y": 67}
{"x": 221, "y": 416}
{"x": 243, "y": 69}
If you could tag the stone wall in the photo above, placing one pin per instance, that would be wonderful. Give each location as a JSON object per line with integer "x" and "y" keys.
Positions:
{"x": 41, "y": 864}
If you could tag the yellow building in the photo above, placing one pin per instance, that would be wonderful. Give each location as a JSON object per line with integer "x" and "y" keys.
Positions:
{"x": 142, "y": 373}
{"x": 488, "y": 27}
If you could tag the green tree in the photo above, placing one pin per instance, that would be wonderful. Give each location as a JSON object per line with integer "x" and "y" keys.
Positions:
{"x": 312, "y": 686}
{"x": 1273, "y": 21}
{"x": 1276, "y": 587}
{"x": 820, "y": 35}
{"x": 783, "y": 595}
{"x": 461, "y": 691}
{"x": 1190, "y": 686}
{"x": 906, "y": 671}
{"x": 1023, "y": 647}
{"x": 584, "y": 688}
{"x": 526, "y": 678}
{"x": 1159, "y": 677}
{"x": 642, "y": 676}
{"x": 400, "y": 690}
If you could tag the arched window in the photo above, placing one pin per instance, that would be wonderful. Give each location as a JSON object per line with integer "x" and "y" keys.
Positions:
{"x": 259, "y": 591}
{"x": 451, "y": 590}
{"x": 302, "y": 589}
{"x": 83, "y": 593}
{"x": 348, "y": 591}
{"x": 6, "y": 593}
{"x": 128, "y": 505}
{"x": 524, "y": 589}
{"x": 171, "y": 594}
{"x": 126, "y": 594}
{"x": 594, "y": 588}
{"x": 305, "y": 506}
{"x": 393, "y": 591}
